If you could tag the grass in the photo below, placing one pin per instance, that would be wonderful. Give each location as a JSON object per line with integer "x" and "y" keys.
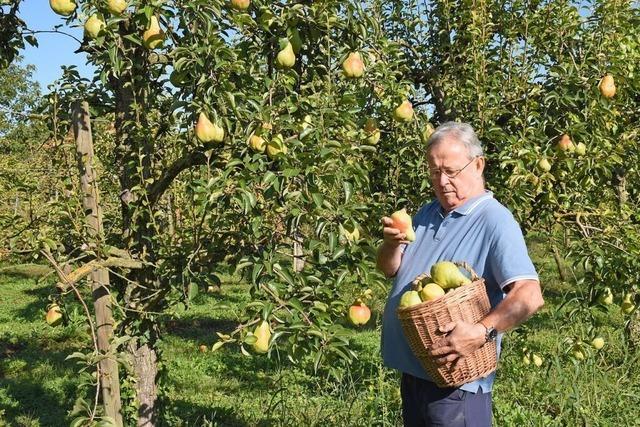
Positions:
{"x": 225, "y": 388}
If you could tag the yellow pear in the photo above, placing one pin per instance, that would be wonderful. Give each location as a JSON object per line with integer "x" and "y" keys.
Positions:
{"x": 581, "y": 149}
{"x": 359, "y": 314}
{"x": 402, "y": 221}
{"x": 54, "y": 315}
{"x": 372, "y": 131}
{"x": 263, "y": 333}
{"x": 286, "y": 57}
{"x": 607, "y": 86}
{"x": 116, "y": 7}
{"x": 597, "y": 343}
{"x": 276, "y": 146}
{"x": 63, "y": 7}
{"x": 606, "y": 297}
{"x": 537, "y": 360}
{"x": 353, "y": 67}
{"x": 427, "y": 132}
{"x": 409, "y": 298}
{"x": 153, "y": 35}
{"x": 240, "y": 4}
{"x": 431, "y": 291}
{"x": 627, "y": 305}
{"x": 578, "y": 354}
{"x": 257, "y": 143}
{"x": 448, "y": 275}
{"x": 544, "y": 165}
{"x": 93, "y": 27}
{"x": 403, "y": 112}
{"x": 207, "y": 131}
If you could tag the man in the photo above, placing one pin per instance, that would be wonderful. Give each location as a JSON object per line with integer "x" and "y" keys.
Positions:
{"x": 464, "y": 223}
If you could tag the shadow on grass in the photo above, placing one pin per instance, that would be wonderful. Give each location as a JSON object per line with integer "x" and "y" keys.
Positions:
{"x": 184, "y": 413}
{"x": 195, "y": 329}
{"x": 30, "y": 377}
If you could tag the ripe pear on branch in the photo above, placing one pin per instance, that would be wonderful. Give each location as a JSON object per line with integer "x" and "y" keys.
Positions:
{"x": 257, "y": 143}
{"x": 544, "y": 165}
{"x": 63, "y": 7}
{"x": 448, "y": 275}
{"x": 359, "y": 313}
{"x": 286, "y": 57}
{"x": 607, "y": 86}
{"x": 240, "y": 4}
{"x": 353, "y": 67}
{"x": 276, "y": 146}
{"x": 565, "y": 144}
{"x": 627, "y": 305}
{"x": 263, "y": 335}
{"x": 372, "y": 131}
{"x": 402, "y": 221}
{"x": 116, "y": 7}
{"x": 93, "y": 27}
{"x": 207, "y": 131}
{"x": 153, "y": 35}
{"x": 403, "y": 112}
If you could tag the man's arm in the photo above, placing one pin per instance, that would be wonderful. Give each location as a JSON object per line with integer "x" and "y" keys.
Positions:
{"x": 524, "y": 298}
{"x": 390, "y": 252}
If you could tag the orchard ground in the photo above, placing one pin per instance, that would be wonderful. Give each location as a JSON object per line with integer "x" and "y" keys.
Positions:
{"x": 226, "y": 388}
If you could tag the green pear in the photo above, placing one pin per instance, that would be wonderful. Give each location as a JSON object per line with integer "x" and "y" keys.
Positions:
{"x": 606, "y": 297}
{"x": 263, "y": 335}
{"x": 544, "y": 165}
{"x": 63, "y": 7}
{"x": 581, "y": 149}
{"x": 404, "y": 112}
{"x": 448, "y": 275}
{"x": 409, "y": 298}
{"x": 286, "y": 58}
{"x": 372, "y": 131}
{"x": 353, "y": 67}
{"x": 627, "y": 305}
{"x": 207, "y": 131}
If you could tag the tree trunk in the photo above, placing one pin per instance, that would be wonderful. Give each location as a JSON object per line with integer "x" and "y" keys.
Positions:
{"x": 109, "y": 378}
{"x": 144, "y": 360}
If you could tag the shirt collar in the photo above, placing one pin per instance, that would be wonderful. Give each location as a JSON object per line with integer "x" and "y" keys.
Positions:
{"x": 470, "y": 204}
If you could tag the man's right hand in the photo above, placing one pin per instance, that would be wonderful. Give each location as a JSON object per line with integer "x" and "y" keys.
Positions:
{"x": 392, "y": 236}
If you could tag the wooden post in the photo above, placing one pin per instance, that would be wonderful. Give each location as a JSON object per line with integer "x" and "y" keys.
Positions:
{"x": 109, "y": 378}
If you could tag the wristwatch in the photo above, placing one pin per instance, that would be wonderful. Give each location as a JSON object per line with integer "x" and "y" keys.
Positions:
{"x": 491, "y": 333}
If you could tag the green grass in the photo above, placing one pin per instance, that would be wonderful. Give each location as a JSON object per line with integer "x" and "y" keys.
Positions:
{"x": 226, "y": 388}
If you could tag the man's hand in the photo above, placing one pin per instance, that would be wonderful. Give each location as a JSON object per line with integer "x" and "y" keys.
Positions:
{"x": 461, "y": 339}
{"x": 390, "y": 235}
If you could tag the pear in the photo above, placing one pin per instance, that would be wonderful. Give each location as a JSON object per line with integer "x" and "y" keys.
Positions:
{"x": 350, "y": 236}
{"x": 607, "y": 86}
{"x": 207, "y": 131}
{"x": 537, "y": 360}
{"x": 403, "y": 112}
{"x": 63, "y": 7}
{"x": 54, "y": 315}
{"x": 606, "y": 297}
{"x": 431, "y": 291}
{"x": 372, "y": 131}
{"x": 263, "y": 333}
{"x": 448, "y": 275}
{"x": 577, "y": 352}
{"x": 402, "y": 221}
{"x": 240, "y": 4}
{"x": 353, "y": 67}
{"x": 257, "y": 143}
{"x": 597, "y": 343}
{"x": 544, "y": 165}
{"x": 409, "y": 298}
{"x": 93, "y": 27}
{"x": 565, "y": 144}
{"x": 427, "y": 132}
{"x": 153, "y": 35}
{"x": 526, "y": 359}
{"x": 359, "y": 313}
{"x": 627, "y": 305}
{"x": 581, "y": 149}
{"x": 286, "y": 57}
{"x": 116, "y": 7}
{"x": 276, "y": 146}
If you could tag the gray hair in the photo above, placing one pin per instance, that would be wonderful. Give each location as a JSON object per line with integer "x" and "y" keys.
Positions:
{"x": 463, "y": 132}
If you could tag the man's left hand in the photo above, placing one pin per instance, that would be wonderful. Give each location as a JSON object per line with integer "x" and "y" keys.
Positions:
{"x": 461, "y": 339}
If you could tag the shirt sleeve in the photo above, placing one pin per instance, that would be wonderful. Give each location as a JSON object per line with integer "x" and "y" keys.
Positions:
{"x": 509, "y": 259}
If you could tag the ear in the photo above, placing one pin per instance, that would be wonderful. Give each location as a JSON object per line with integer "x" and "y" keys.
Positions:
{"x": 479, "y": 165}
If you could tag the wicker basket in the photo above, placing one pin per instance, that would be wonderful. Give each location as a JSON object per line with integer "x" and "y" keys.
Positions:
{"x": 421, "y": 324}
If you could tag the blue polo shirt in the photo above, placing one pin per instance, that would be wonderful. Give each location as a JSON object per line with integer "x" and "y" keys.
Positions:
{"x": 481, "y": 232}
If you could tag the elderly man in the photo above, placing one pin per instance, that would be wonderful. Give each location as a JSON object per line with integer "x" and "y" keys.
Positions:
{"x": 464, "y": 223}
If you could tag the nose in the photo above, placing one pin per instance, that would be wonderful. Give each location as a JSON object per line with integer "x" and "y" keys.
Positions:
{"x": 443, "y": 179}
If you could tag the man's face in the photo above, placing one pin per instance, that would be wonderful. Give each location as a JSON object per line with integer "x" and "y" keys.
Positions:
{"x": 462, "y": 177}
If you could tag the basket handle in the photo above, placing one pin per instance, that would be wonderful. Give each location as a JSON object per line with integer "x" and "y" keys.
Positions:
{"x": 467, "y": 266}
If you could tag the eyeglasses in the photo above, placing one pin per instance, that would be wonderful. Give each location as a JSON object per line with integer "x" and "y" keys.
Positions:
{"x": 451, "y": 175}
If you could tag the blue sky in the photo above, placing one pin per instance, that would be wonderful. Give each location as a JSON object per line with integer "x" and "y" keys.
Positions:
{"x": 54, "y": 50}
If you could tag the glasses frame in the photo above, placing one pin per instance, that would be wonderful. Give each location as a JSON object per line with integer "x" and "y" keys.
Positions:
{"x": 455, "y": 173}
